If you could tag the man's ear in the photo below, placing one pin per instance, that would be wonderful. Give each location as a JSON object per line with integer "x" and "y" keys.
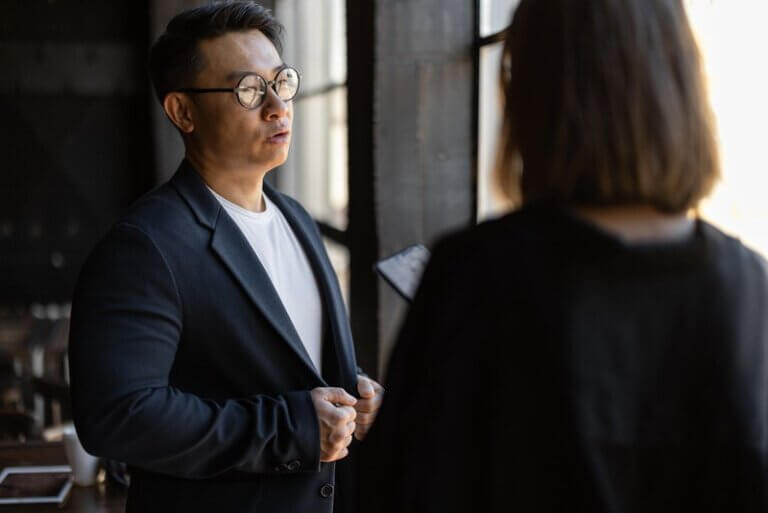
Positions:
{"x": 178, "y": 108}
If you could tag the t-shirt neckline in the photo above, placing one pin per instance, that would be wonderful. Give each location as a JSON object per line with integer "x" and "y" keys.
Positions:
{"x": 265, "y": 215}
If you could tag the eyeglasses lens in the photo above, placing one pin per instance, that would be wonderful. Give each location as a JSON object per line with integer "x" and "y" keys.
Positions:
{"x": 287, "y": 83}
{"x": 250, "y": 91}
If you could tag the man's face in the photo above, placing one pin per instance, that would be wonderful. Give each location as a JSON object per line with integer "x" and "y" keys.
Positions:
{"x": 227, "y": 133}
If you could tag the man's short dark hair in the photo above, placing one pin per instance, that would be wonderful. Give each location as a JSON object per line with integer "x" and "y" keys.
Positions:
{"x": 175, "y": 59}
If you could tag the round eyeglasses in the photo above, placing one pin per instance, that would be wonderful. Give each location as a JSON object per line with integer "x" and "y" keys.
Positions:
{"x": 251, "y": 89}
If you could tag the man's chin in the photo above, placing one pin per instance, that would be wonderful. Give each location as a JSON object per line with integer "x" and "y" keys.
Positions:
{"x": 274, "y": 162}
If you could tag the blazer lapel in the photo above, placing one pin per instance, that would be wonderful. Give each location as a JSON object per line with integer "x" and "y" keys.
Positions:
{"x": 233, "y": 249}
{"x": 328, "y": 285}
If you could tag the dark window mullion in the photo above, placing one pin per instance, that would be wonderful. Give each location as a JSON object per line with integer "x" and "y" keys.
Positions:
{"x": 319, "y": 91}
{"x": 333, "y": 233}
{"x": 497, "y": 37}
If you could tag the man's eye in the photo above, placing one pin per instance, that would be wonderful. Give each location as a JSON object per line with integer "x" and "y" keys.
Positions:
{"x": 248, "y": 94}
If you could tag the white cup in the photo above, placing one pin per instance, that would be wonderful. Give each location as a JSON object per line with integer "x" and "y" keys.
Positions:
{"x": 85, "y": 466}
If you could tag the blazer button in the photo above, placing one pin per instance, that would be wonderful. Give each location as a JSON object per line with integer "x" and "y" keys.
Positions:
{"x": 293, "y": 466}
{"x": 326, "y": 490}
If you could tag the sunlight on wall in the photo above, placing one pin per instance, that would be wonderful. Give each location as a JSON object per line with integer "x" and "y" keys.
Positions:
{"x": 734, "y": 39}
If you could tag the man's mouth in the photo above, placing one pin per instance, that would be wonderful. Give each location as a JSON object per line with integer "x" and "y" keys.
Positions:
{"x": 280, "y": 137}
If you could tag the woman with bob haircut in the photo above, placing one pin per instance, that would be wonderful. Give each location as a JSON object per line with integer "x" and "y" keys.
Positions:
{"x": 599, "y": 349}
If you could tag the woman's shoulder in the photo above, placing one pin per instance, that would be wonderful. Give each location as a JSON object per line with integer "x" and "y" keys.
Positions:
{"x": 730, "y": 254}
{"x": 520, "y": 232}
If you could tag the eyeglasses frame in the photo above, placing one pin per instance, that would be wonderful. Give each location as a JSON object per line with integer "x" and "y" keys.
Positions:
{"x": 270, "y": 84}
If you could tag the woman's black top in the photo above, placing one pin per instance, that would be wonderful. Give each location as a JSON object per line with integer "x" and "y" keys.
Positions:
{"x": 546, "y": 365}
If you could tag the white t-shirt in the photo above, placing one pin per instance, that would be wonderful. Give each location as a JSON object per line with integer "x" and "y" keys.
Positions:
{"x": 282, "y": 256}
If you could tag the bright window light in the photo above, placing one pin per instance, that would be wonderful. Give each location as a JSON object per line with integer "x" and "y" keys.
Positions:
{"x": 733, "y": 40}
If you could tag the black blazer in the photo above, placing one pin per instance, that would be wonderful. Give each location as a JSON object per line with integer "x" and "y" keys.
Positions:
{"x": 548, "y": 366}
{"x": 185, "y": 364}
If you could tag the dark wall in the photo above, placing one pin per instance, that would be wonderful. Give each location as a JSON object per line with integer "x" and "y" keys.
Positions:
{"x": 75, "y": 135}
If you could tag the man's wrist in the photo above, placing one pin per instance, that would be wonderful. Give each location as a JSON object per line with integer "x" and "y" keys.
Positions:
{"x": 306, "y": 429}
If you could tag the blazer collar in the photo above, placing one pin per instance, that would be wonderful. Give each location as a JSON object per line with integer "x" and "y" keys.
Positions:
{"x": 192, "y": 189}
{"x": 228, "y": 242}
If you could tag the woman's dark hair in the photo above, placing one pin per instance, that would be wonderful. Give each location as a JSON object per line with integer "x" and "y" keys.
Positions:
{"x": 605, "y": 104}
{"x": 175, "y": 59}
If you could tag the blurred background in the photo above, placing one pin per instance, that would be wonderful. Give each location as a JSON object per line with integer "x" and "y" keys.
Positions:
{"x": 394, "y": 141}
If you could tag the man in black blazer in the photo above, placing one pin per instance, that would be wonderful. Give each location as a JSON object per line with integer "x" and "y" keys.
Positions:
{"x": 197, "y": 356}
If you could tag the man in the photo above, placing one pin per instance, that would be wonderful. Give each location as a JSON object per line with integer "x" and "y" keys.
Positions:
{"x": 210, "y": 348}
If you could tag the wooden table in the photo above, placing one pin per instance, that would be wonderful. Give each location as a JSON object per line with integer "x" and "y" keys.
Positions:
{"x": 101, "y": 498}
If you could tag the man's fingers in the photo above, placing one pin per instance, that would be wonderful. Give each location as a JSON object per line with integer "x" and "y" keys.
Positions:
{"x": 365, "y": 387}
{"x": 336, "y": 456}
{"x": 342, "y": 415}
{"x": 336, "y": 413}
{"x": 369, "y": 405}
{"x": 362, "y": 430}
{"x": 332, "y": 416}
{"x": 365, "y": 418}
{"x": 339, "y": 441}
{"x": 328, "y": 457}
{"x": 339, "y": 396}
{"x": 339, "y": 435}
{"x": 372, "y": 395}
{"x": 335, "y": 446}
{"x": 328, "y": 449}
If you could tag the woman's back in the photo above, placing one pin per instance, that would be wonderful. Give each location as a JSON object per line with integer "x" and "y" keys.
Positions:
{"x": 551, "y": 365}
{"x": 548, "y": 366}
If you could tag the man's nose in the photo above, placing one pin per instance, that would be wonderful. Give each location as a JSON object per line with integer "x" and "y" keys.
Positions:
{"x": 274, "y": 107}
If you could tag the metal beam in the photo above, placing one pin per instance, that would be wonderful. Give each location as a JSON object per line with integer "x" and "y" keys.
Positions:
{"x": 361, "y": 231}
{"x": 424, "y": 130}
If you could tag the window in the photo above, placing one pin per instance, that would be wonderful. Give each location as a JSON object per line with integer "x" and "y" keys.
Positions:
{"x": 733, "y": 42}
{"x": 316, "y": 170}
{"x": 494, "y": 17}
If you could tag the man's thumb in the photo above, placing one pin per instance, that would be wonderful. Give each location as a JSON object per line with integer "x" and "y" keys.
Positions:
{"x": 365, "y": 388}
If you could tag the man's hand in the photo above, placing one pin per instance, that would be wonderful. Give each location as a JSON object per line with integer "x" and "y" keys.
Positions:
{"x": 371, "y": 394}
{"x": 336, "y": 416}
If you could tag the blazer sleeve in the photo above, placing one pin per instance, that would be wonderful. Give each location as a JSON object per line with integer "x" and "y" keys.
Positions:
{"x": 125, "y": 328}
